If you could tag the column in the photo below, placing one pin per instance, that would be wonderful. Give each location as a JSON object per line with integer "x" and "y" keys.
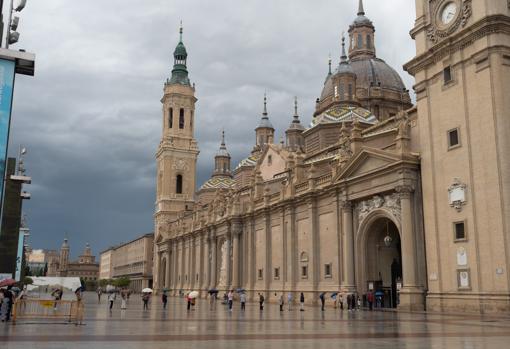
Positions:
{"x": 207, "y": 262}
{"x": 192, "y": 261}
{"x": 214, "y": 268}
{"x": 157, "y": 269}
{"x": 236, "y": 262}
{"x": 348, "y": 283}
{"x": 411, "y": 295}
{"x": 183, "y": 262}
{"x": 167, "y": 268}
{"x": 229, "y": 259}
{"x": 201, "y": 269}
{"x": 293, "y": 252}
{"x": 175, "y": 263}
{"x": 314, "y": 230}
{"x": 268, "y": 272}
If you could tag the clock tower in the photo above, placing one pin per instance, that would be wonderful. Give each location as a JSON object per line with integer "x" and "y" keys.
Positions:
{"x": 177, "y": 153}
{"x": 462, "y": 72}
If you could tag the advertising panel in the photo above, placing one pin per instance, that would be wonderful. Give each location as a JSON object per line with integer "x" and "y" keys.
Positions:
{"x": 6, "y": 92}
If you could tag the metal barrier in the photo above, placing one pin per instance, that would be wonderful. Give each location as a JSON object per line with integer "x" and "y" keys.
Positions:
{"x": 37, "y": 309}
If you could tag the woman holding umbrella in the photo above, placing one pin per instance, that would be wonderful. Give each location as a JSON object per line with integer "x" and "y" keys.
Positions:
{"x": 146, "y": 295}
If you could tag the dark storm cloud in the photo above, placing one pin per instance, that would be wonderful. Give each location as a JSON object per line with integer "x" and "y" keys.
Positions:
{"x": 91, "y": 116}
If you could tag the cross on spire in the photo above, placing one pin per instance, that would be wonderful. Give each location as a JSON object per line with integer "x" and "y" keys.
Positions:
{"x": 180, "y": 32}
{"x": 265, "y": 104}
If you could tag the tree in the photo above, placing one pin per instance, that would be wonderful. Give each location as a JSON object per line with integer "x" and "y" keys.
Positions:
{"x": 121, "y": 282}
{"x": 28, "y": 281}
{"x": 104, "y": 282}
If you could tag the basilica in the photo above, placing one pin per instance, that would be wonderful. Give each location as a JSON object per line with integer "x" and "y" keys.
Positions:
{"x": 410, "y": 202}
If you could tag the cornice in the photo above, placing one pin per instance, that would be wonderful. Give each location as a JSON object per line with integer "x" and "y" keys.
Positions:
{"x": 486, "y": 26}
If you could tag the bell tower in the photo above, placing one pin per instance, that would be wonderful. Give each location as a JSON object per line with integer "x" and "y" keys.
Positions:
{"x": 462, "y": 69}
{"x": 177, "y": 153}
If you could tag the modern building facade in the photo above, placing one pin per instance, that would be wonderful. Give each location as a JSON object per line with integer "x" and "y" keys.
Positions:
{"x": 376, "y": 195}
{"x": 133, "y": 260}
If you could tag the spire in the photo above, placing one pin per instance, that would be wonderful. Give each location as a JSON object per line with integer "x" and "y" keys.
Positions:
{"x": 296, "y": 115}
{"x": 180, "y": 71}
{"x": 361, "y": 11}
{"x": 296, "y": 123}
{"x": 265, "y": 105}
{"x": 223, "y": 148}
{"x": 343, "y": 58}
{"x": 223, "y": 138}
{"x": 329, "y": 63}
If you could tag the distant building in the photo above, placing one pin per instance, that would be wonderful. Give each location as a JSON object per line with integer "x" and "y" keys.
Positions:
{"x": 85, "y": 267}
{"x": 133, "y": 260}
{"x": 39, "y": 259}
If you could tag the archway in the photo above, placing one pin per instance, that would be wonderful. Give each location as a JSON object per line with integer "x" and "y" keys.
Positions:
{"x": 383, "y": 261}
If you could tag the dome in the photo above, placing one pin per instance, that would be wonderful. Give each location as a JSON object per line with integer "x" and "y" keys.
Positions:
{"x": 362, "y": 19}
{"x": 265, "y": 123}
{"x": 369, "y": 70}
{"x": 337, "y": 114}
{"x": 219, "y": 183}
{"x": 180, "y": 50}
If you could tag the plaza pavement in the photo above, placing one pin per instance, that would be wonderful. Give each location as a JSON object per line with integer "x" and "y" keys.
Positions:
{"x": 178, "y": 328}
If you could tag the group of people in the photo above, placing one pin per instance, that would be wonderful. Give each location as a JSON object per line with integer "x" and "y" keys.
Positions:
{"x": 7, "y": 297}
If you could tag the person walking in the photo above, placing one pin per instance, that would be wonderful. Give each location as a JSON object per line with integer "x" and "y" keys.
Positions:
{"x": 323, "y": 300}
{"x": 370, "y": 299}
{"x": 99, "y": 292}
{"x": 349, "y": 302}
{"x": 334, "y": 296}
{"x": 164, "y": 299}
{"x": 111, "y": 299}
{"x": 302, "y": 302}
{"x": 4, "y": 305}
{"x": 281, "y": 302}
{"x": 261, "y": 301}
{"x": 289, "y": 301}
{"x": 123, "y": 303}
{"x": 341, "y": 301}
{"x": 242, "y": 298}
{"x": 145, "y": 299}
{"x": 230, "y": 299}
{"x": 353, "y": 304}
{"x": 359, "y": 303}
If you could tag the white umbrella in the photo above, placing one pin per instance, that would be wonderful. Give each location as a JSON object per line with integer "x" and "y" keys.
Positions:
{"x": 193, "y": 294}
{"x": 147, "y": 290}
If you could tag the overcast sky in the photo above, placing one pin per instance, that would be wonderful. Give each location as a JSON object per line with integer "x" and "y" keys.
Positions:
{"x": 91, "y": 115}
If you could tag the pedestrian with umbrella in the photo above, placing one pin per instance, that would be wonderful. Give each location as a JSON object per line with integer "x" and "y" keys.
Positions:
{"x": 242, "y": 298}
{"x": 192, "y": 296}
{"x": 146, "y": 295}
{"x": 323, "y": 300}
{"x": 334, "y": 297}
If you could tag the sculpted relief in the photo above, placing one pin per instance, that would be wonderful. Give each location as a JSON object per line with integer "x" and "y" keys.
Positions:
{"x": 390, "y": 202}
{"x": 223, "y": 268}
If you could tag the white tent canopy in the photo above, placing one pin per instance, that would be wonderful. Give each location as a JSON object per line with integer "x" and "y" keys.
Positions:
{"x": 71, "y": 283}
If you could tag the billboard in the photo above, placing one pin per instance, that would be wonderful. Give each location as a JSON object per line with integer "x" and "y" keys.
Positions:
{"x": 7, "y": 69}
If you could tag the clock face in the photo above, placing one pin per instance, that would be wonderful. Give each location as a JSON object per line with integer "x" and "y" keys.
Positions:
{"x": 449, "y": 12}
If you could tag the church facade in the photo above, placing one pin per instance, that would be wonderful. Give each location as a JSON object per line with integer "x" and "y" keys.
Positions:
{"x": 376, "y": 195}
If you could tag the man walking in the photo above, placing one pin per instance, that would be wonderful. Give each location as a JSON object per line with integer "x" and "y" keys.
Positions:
{"x": 281, "y": 302}
{"x": 99, "y": 292}
{"x": 242, "y": 298}
{"x": 111, "y": 299}
{"x": 261, "y": 301}
{"x": 323, "y": 300}
{"x": 289, "y": 301}
{"x": 302, "y": 302}
{"x": 349, "y": 302}
{"x": 164, "y": 299}
{"x": 230, "y": 299}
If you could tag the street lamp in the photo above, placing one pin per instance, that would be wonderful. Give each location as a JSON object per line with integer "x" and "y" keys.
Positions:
{"x": 12, "y": 37}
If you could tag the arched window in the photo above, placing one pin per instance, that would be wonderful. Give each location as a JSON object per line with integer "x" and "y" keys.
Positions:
{"x": 350, "y": 91}
{"x": 342, "y": 95}
{"x": 178, "y": 184}
{"x": 181, "y": 118}
{"x": 171, "y": 118}
{"x": 360, "y": 40}
{"x": 369, "y": 42}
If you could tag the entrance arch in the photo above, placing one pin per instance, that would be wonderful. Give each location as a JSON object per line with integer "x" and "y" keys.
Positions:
{"x": 380, "y": 257}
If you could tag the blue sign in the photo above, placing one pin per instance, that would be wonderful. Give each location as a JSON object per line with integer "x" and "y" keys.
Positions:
{"x": 7, "y": 69}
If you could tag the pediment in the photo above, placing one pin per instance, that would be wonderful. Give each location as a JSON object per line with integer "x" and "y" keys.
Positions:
{"x": 368, "y": 160}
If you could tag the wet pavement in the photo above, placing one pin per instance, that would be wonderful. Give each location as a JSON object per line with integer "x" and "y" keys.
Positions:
{"x": 176, "y": 327}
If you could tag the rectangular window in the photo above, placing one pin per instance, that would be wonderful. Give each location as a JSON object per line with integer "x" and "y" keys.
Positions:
{"x": 369, "y": 42}
{"x": 304, "y": 272}
{"x": 447, "y": 74}
{"x": 197, "y": 277}
{"x": 277, "y": 273}
{"x": 453, "y": 138}
{"x": 171, "y": 118}
{"x": 181, "y": 118}
{"x": 360, "y": 40}
{"x": 327, "y": 270}
{"x": 350, "y": 91}
{"x": 261, "y": 274}
{"x": 460, "y": 231}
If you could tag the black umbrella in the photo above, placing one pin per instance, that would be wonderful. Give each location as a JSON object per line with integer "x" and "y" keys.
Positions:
{"x": 213, "y": 291}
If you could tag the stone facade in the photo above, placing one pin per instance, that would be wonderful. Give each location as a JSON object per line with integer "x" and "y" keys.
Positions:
{"x": 84, "y": 267}
{"x": 377, "y": 195}
{"x": 133, "y": 260}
